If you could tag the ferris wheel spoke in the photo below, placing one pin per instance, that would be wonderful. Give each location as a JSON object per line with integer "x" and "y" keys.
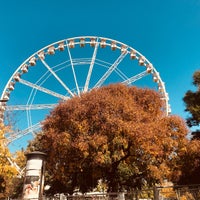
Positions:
{"x": 91, "y": 67}
{"x": 110, "y": 70}
{"x": 30, "y": 107}
{"x": 73, "y": 71}
{"x": 135, "y": 78}
{"x": 29, "y": 119}
{"x": 19, "y": 134}
{"x": 15, "y": 165}
{"x": 121, "y": 74}
{"x": 55, "y": 75}
{"x": 42, "y": 89}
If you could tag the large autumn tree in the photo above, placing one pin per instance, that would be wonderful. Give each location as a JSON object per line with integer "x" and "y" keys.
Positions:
{"x": 192, "y": 102}
{"x": 116, "y": 133}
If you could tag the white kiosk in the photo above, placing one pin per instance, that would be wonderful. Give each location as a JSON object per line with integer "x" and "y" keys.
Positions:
{"x": 34, "y": 176}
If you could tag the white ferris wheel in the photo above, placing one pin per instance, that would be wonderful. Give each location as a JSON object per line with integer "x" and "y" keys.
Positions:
{"x": 65, "y": 69}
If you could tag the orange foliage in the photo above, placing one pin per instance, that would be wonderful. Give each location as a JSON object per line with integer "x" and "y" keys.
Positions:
{"x": 111, "y": 127}
{"x": 189, "y": 161}
{"x": 7, "y": 172}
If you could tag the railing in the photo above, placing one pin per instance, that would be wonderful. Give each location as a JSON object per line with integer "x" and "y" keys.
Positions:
{"x": 184, "y": 192}
{"x": 190, "y": 192}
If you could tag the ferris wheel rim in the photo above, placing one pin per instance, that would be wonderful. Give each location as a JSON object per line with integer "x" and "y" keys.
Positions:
{"x": 108, "y": 42}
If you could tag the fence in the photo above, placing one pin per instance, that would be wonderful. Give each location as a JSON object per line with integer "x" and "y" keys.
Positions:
{"x": 187, "y": 192}
{"x": 158, "y": 193}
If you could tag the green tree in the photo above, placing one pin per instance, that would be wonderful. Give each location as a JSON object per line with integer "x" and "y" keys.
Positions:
{"x": 118, "y": 134}
{"x": 192, "y": 102}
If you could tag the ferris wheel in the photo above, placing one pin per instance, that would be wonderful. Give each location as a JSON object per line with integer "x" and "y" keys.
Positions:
{"x": 65, "y": 69}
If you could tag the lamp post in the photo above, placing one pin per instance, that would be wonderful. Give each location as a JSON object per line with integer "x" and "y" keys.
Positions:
{"x": 34, "y": 176}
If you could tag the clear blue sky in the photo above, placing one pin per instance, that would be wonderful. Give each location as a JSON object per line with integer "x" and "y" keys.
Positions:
{"x": 166, "y": 32}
